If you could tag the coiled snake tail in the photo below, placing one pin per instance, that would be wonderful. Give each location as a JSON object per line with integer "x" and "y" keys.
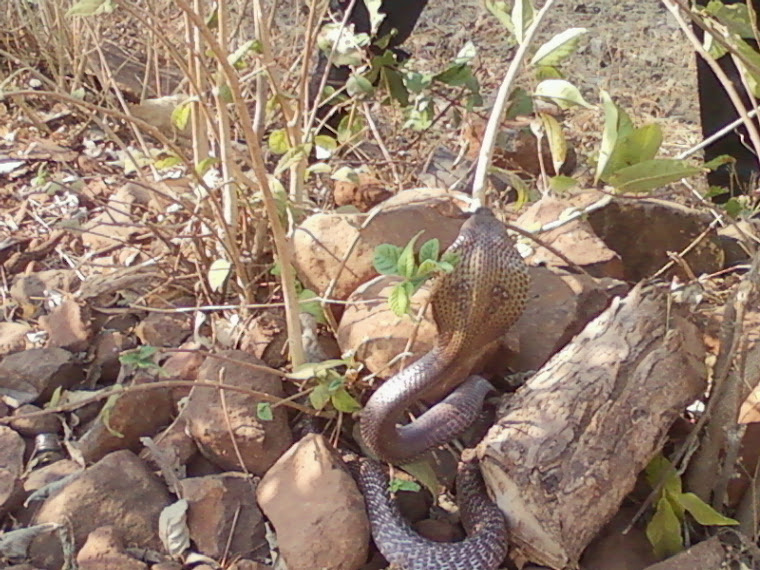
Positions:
{"x": 484, "y": 548}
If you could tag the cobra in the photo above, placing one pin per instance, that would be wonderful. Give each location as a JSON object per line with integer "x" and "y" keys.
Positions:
{"x": 473, "y": 306}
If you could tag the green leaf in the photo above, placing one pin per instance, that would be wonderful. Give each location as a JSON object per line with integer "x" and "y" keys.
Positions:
{"x": 312, "y": 369}
{"x": 562, "y": 92}
{"x": 450, "y": 258}
{"x": 249, "y": 46}
{"x": 637, "y": 146}
{"x": 314, "y": 308}
{"x": 292, "y": 157}
{"x": 556, "y": 139}
{"x": 651, "y": 174}
{"x": 345, "y": 402}
{"x": 394, "y": 81}
{"x": 664, "y": 530}
{"x": 358, "y": 85}
{"x": 397, "y": 485}
{"x": 385, "y": 260}
{"x": 430, "y": 250}
{"x": 169, "y": 162}
{"x": 141, "y": 357}
{"x": 703, "y": 513}
{"x": 204, "y": 165}
{"x": 181, "y": 115}
{"x": 399, "y": 300}
{"x": 499, "y": 10}
{"x": 218, "y": 273}
{"x": 319, "y": 396}
{"x": 425, "y": 474}
{"x": 660, "y": 467}
{"x": 617, "y": 124}
{"x": 405, "y": 265}
{"x": 557, "y": 49}
{"x": 91, "y": 8}
{"x": 278, "y": 141}
{"x": 719, "y": 161}
{"x": 562, "y": 183}
{"x": 522, "y": 17}
{"x": 427, "y": 267}
{"x": 264, "y": 411}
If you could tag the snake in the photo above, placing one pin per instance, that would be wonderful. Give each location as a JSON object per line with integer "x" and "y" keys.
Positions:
{"x": 472, "y": 306}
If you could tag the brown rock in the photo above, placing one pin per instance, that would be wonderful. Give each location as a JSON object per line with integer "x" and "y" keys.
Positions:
{"x": 223, "y": 517}
{"x": 67, "y": 327}
{"x": 167, "y": 566}
{"x": 11, "y": 467}
{"x": 50, "y": 473}
{"x": 323, "y": 240}
{"x": 29, "y": 427}
{"x": 707, "y": 555}
{"x": 174, "y": 444}
{"x": 364, "y": 194}
{"x": 316, "y": 508}
{"x": 575, "y": 239}
{"x": 107, "y": 346}
{"x": 34, "y": 374}
{"x": 248, "y": 565}
{"x": 13, "y": 337}
{"x": 104, "y": 550}
{"x": 259, "y": 442}
{"x": 560, "y": 306}
{"x": 376, "y": 334}
{"x": 614, "y": 548}
{"x": 267, "y": 339}
{"x": 164, "y": 329}
{"x": 132, "y": 415}
{"x": 118, "y": 491}
{"x": 642, "y": 232}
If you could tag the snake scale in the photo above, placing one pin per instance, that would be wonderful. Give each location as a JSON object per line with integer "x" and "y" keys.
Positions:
{"x": 472, "y": 306}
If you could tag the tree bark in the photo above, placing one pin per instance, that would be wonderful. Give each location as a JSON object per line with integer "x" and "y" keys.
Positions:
{"x": 569, "y": 444}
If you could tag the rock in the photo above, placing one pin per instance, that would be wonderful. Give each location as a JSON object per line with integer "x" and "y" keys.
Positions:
{"x": 267, "y": 338}
{"x": 363, "y": 194}
{"x": 316, "y": 508}
{"x": 376, "y": 334}
{"x": 614, "y": 548}
{"x": 132, "y": 416}
{"x": 107, "y": 346}
{"x": 67, "y": 327}
{"x": 12, "y": 449}
{"x": 707, "y": 555}
{"x": 164, "y": 329}
{"x": 575, "y": 239}
{"x": 34, "y": 374}
{"x": 642, "y": 232}
{"x": 560, "y": 306}
{"x": 116, "y": 491}
{"x": 322, "y": 241}
{"x": 223, "y": 517}
{"x": 50, "y": 473}
{"x": 248, "y": 565}
{"x": 259, "y": 442}
{"x": 167, "y": 566}
{"x": 13, "y": 337}
{"x": 33, "y": 426}
{"x": 516, "y": 147}
{"x": 104, "y": 550}
{"x": 174, "y": 444}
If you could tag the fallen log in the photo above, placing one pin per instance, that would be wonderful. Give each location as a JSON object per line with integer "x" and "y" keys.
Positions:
{"x": 570, "y": 443}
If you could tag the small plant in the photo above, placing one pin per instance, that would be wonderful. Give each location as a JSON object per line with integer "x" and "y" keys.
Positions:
{"x": 330, "y": 385}
{"x": 415, "y": 269}
{"x": 665, "y": 529}
{"x": 141, "y": 358}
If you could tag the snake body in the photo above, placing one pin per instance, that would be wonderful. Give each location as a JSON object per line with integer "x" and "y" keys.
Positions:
{"x": 473, "y": 306}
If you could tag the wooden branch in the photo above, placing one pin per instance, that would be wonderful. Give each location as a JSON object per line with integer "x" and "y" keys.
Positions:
{"x": 571, "y": 442}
